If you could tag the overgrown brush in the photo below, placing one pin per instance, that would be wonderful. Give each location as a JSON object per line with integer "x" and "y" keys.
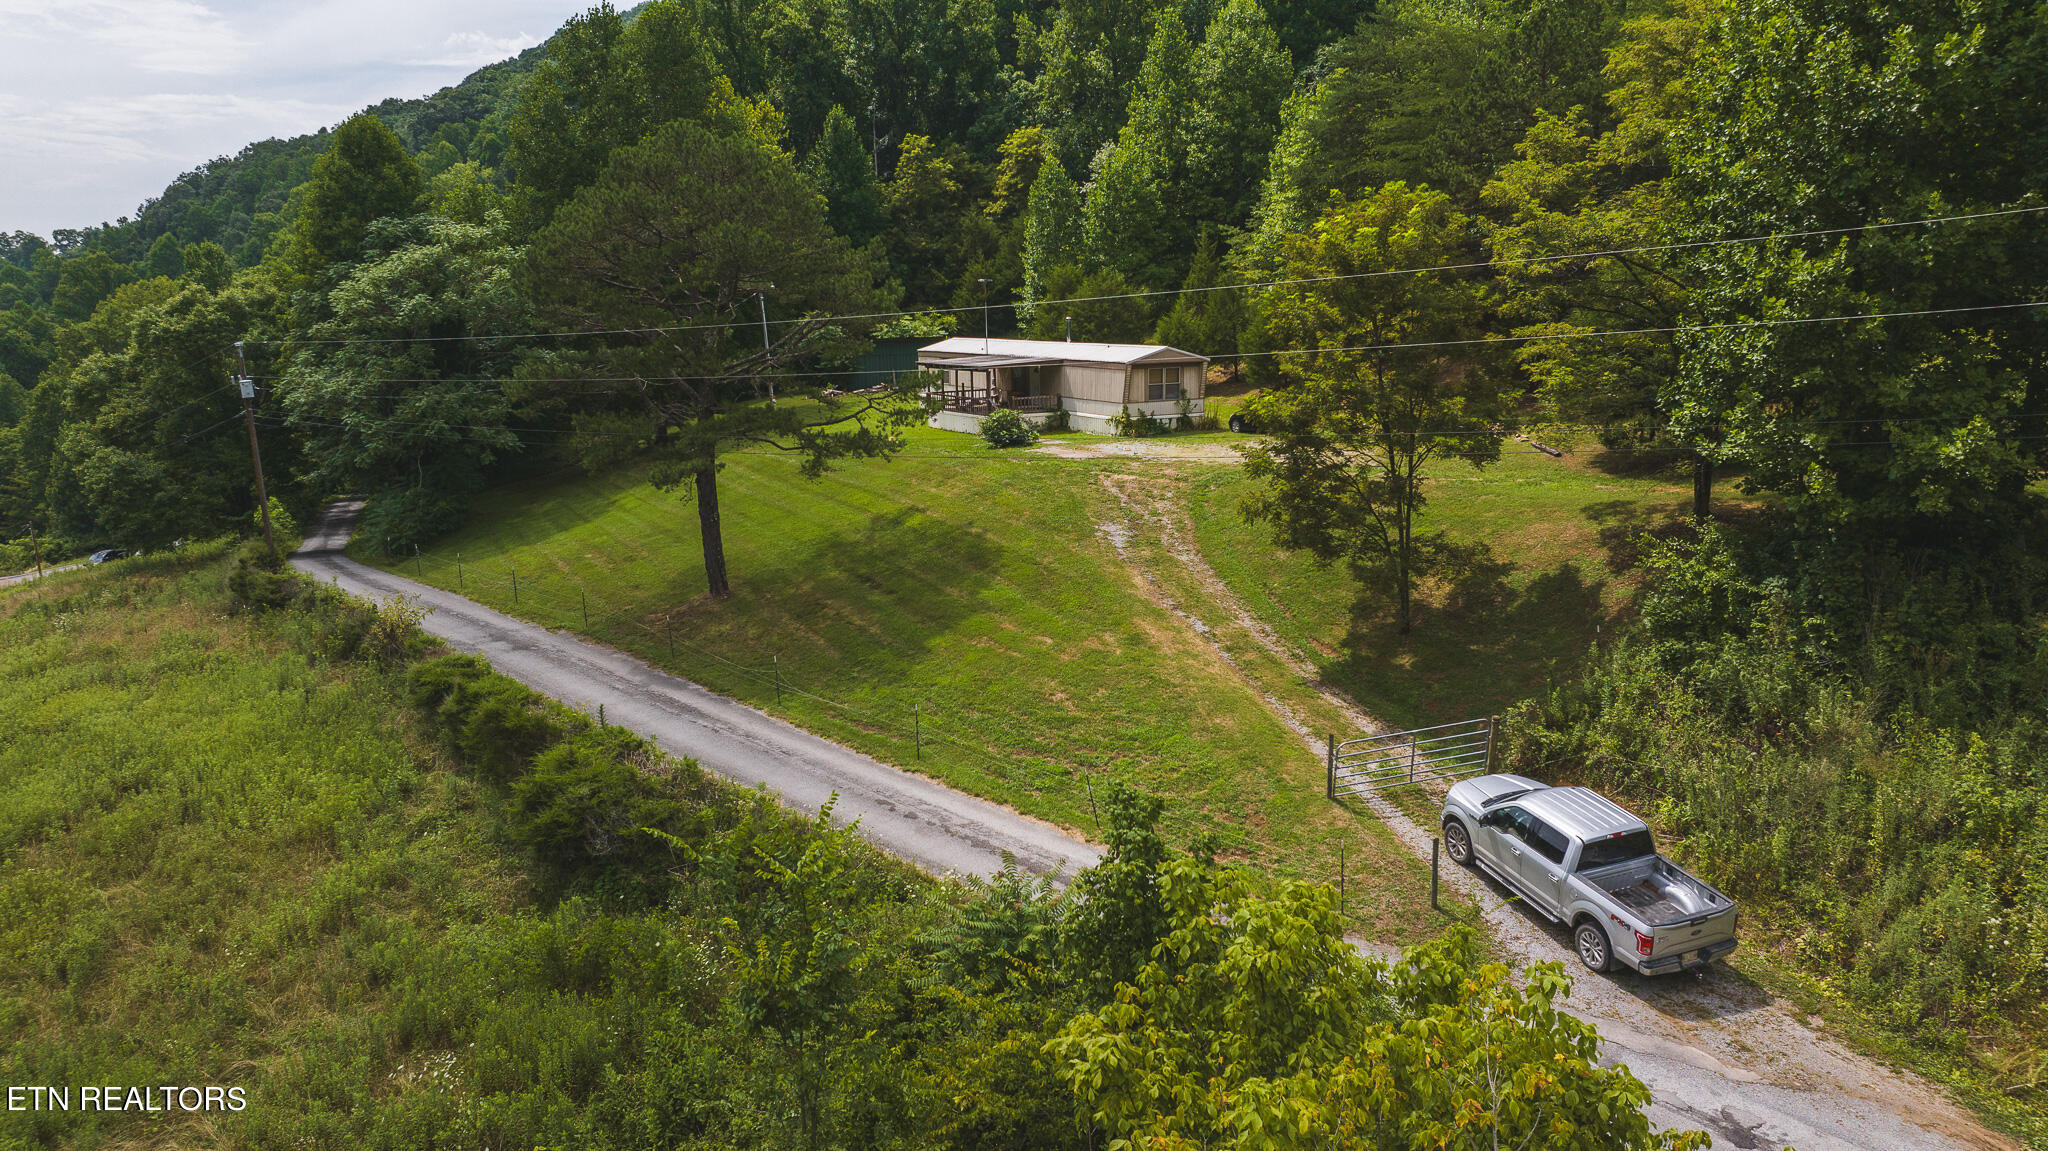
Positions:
{"x": 1900, "y": 861}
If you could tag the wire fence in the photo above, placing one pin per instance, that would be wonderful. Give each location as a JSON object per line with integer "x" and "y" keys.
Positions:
{"x": 550, "y": 597}
{"x": 554, "y": 598}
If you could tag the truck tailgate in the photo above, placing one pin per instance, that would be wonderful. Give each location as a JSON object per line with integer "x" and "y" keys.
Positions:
{"x": 1679, "y": 940}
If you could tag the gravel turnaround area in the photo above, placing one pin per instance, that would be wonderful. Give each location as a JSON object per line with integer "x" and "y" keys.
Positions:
{"x": 907, "y": 815}
{"x": 1718, "y": 1052}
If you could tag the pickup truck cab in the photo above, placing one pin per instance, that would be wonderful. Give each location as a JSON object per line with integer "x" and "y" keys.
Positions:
{"x": 1581, "y": 860}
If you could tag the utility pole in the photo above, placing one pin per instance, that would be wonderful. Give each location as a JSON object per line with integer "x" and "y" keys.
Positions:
{"x": 248, "y": 384}
{"x": 37, "y": 545}
{"x": 1070, "y": 329}
{"x": 983, "y": 281}
{"x": 767, "y": 353}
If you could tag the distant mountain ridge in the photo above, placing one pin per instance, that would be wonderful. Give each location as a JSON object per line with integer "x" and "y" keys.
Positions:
{"x": 237, "y": 201}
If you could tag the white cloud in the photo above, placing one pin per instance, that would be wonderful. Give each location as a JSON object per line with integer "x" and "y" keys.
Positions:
{"x": 104, "y": 102}
{"x": 84, "y": 162}
{"x": 164, "y": 36}
{"x": 476, "y": 49}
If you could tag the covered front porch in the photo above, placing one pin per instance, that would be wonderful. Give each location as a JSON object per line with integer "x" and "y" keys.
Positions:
{"x": 978, "y": 385}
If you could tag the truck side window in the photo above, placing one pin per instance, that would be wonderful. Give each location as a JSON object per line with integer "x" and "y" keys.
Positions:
{"x": 1547, "y": 840}
{"x": 1514, "y": 821}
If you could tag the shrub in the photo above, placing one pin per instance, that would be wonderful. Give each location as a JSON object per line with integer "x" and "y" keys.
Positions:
{"x": 430, "y": 684}
{"x": 260, "y": 579}
{"x": 284, "y": 527}
{"x": 585, "y": 801}
{"x": 1124, "y": 423}
{"x": 493, "y": 723}
{"x": 1058, "y": 421}
{"x": 1004, "y": 428}
{"x": 386, "y": 634}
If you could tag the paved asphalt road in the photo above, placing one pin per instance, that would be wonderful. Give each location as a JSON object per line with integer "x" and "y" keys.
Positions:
{"x": 907, "y": 815}
{"x": 1717, "y": 1052}
{"x": 26, "y": 576}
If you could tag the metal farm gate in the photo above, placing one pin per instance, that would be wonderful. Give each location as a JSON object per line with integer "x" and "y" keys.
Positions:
{"x": 1446, "y": 752}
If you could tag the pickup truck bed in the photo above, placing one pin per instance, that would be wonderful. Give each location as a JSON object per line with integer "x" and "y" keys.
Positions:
{"x": 1658, "y": 891}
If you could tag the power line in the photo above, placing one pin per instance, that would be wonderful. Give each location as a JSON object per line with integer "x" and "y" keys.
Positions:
{"x": 1730, "y": 325}
{"x": 1474, "y": 341}
{"x": 1458, "y": 267}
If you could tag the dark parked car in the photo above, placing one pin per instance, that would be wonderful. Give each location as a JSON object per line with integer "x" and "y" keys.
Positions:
{"x": 100, "y": 557}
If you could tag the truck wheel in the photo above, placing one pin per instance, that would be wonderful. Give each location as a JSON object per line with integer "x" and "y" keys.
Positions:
{"x": 1458, "y": 842}
{"x": 1594, "y": 950}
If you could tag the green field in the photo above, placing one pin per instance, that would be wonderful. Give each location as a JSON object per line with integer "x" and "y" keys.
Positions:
{"x": 1555, "y": 537}
{"x": 969, "y": 599}
{"x": 978, "y": 601}
{"x": 219, "y": 858}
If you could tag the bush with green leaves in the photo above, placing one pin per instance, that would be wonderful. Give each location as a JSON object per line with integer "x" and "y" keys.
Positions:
{"x": 1895, "y": 855}
{"x": 1257, "y": 1024}
{"x": 588, "y": 802}
{"x": 259, "y": 578}
{"x": 1004, "y": 428}
{"x": 1128, "y": 423}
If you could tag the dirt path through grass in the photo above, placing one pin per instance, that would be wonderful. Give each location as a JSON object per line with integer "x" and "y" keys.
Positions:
{"x": 1719, "y": 1052}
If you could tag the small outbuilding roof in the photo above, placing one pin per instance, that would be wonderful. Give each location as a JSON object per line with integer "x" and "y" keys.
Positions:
{"x": 1011, "y": 353}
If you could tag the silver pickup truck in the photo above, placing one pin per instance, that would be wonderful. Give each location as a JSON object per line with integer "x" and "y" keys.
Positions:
{"x": 1581, "y": 860}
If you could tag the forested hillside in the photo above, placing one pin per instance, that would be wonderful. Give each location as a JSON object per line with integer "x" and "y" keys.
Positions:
{"x": 1793, "y": 250}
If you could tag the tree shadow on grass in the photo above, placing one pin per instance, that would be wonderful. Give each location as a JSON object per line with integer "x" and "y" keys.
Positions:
{"x": 1479, "y": 643}
{"x": 869, "y": 603}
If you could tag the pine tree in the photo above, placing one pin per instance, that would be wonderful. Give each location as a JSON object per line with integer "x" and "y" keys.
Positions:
{"x": 1241, "y": 78}
{"x": 845, "y": 172}
{"x": 1126, "y": 221}
{"x": 1205, "y": 319}
{"x": 1052, "y": 226}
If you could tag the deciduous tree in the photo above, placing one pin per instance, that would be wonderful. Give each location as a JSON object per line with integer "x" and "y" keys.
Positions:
{"x": 667, "y": 251}
{"x": 365, "y": 175}
{"x": 406, "y": 403}
{"x": 1388, "y": 390}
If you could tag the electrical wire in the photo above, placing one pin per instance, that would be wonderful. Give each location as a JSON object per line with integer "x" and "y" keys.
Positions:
{"x": 1459, "y": 267}
{"x": 1534, "y": 337}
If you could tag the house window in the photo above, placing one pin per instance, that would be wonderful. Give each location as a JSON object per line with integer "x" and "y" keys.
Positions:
{"x": 1162, "y": 383}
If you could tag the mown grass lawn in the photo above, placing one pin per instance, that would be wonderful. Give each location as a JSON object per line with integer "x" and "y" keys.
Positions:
{"x": 1555, "y": 539}
{"x": 959, "y": 611}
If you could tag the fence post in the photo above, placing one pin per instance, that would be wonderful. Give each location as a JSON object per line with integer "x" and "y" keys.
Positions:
{"x": 1492, "y": 728}
{"x": 584, "y": 596}
{"x": 458, "y": 571}
{"x": 515, "y": 583}
{"x": 778, "y": 678}
{"x": 1434, "y": 843}
{"x": 668, "y": 632}
{"x": 1330, "y": 763}
{"x": 917, "y": 726}
{"x": 1411, "y": 757}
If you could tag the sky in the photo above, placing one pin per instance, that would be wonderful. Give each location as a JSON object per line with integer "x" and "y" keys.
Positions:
{"x": 104, "y": 102}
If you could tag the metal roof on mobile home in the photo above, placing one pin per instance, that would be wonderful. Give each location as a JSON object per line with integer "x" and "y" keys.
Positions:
{"x": 1013, "y": 352}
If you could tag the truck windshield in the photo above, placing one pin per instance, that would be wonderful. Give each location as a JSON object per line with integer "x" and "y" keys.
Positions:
{"x": 1616, "y": 849}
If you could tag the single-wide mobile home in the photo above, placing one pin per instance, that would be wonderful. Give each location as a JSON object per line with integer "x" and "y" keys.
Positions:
{"x": 1092, "y": 383}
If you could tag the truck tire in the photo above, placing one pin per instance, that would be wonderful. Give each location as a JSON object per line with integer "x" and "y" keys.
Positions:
{"x": 1237, "y": 423}
{"x": 1458, "y": 842}
{"x": 1595, "y": 951}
